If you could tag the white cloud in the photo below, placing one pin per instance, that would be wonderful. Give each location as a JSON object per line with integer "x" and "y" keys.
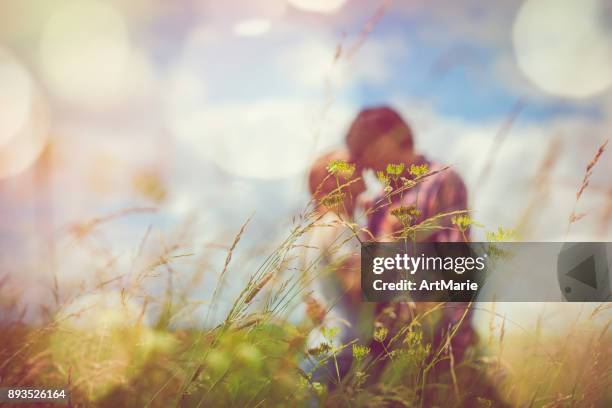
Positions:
{"x": 509, "y": 186}
{"x": 312, "y": 62}
{"x": 265, "y": 139}
{"x": 272, "y": 136}
{"x": 318, "y": 6}
{"x": 252, "y": 27}
{"x": 229, "y": 12}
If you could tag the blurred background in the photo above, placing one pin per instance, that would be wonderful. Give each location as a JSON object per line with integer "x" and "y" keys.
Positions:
{"x": 175, "y": 119}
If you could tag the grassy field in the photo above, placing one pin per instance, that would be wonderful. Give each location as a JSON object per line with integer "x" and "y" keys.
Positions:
{"x": 100, "y": 344}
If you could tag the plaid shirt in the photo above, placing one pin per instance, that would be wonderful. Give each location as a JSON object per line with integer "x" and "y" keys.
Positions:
{"x": 441, "y": 193}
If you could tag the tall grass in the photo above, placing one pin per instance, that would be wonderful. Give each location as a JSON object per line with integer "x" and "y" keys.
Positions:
{"x": 256, "y": 355}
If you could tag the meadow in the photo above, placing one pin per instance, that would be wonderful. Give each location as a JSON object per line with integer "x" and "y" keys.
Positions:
{"x": 110, "y": 111}
{"x": 101, "y": 344}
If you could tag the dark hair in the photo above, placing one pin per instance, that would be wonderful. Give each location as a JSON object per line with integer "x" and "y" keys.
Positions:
{"x": 375, "y": 123}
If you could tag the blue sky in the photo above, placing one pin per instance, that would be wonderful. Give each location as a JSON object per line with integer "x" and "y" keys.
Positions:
{"x": 455, "y": 73}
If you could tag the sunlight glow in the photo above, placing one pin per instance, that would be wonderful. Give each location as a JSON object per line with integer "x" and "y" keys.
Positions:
{"x": 252, "y": 27}
{"x": 84, "y": 52}
{"x": 15, "y": 97}
{"x": 564, "y": 47}
{"x": 231, "y": 12}
{"x": 23, "y": 118}
{"x": 273, "y": 137}
{"x": 318, "y": 6}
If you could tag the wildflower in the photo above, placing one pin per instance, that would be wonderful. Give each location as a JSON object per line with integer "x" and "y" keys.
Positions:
{"x": 395, "y": 170}
{"x": 360, "y": 352}
{"x": 463, "y": 222}
{"x": 383, "y": 178}
{"x": 330, "y": 332}
{"x": 380, "y": 334}
{"x": 410, "y": 210}
{"x": 414, "y": 351}
{"x": 419, "y": 170}
{"x": 341, "y": 168}
{"x": 333, "y": 200}
{"x": 318, "y": 388}
{"x": 360, "y": 378}
{"x": 501, "y": 235}
{"x": 413, "y": 338}
{"x": 408, "y": 183}
{"x": 406, "y": 213}
{"x": 495, "y": 252}
{"x": 322, "y": 348}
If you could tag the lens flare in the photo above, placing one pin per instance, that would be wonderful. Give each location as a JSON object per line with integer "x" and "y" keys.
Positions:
{"x": 24, "y": 119}
{"x": 236, "y": 11}
{"x": 318, "y": 6}
{"x": 102, "y": 310}
{"x": 252, "y": 27}
{"x": 15, "y": 97}
{"x": 564, "y": 47}
{"x": 84, "y": 53}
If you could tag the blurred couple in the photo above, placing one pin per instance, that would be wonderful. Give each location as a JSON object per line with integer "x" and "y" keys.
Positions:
{"x": 379, "y": 137}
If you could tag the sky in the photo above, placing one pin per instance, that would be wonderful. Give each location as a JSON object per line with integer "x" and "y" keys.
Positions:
{"x": 222, "y": 106}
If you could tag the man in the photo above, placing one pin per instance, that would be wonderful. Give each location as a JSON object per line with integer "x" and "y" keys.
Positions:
{"x": 378, "y": 137}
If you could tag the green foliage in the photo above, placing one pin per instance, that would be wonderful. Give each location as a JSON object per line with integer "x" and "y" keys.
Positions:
{"x": 241, "y": 367}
